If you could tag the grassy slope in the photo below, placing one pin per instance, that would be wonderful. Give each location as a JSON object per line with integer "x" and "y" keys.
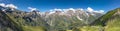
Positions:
{"x": 25, "y": 28}
{"x": 103, "y": 19}
{"x": 112, "y": 23}
{"x": 8, "y": 20}
{"x": 16, "y": 26}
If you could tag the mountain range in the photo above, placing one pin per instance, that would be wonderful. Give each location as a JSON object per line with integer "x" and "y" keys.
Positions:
{"x": 12, "y": 19}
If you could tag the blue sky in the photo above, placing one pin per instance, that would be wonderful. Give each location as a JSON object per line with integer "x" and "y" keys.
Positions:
{"x": 45, "y": 5}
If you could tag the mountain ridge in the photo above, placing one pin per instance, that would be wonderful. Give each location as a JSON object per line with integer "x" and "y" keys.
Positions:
{"x": 58, "y": 21}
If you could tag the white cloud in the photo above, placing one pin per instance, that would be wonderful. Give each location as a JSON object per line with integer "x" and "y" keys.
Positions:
{"x": 50, "y": 10}
{"x": 65, "y": 10}
{"x": 71, "y": 9}
{"x": 102, "y": 11}
{"x": 89, "y": 9}
{"x": 11, "y": 6}
{"x": 8, "y": 5}
{"x": 53, "y": 10}
{"x": 81, "y": 9}
{"x": 57, "y": 9}
{"x": 32, "y": 9}
{"x": 2, "y": 4}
